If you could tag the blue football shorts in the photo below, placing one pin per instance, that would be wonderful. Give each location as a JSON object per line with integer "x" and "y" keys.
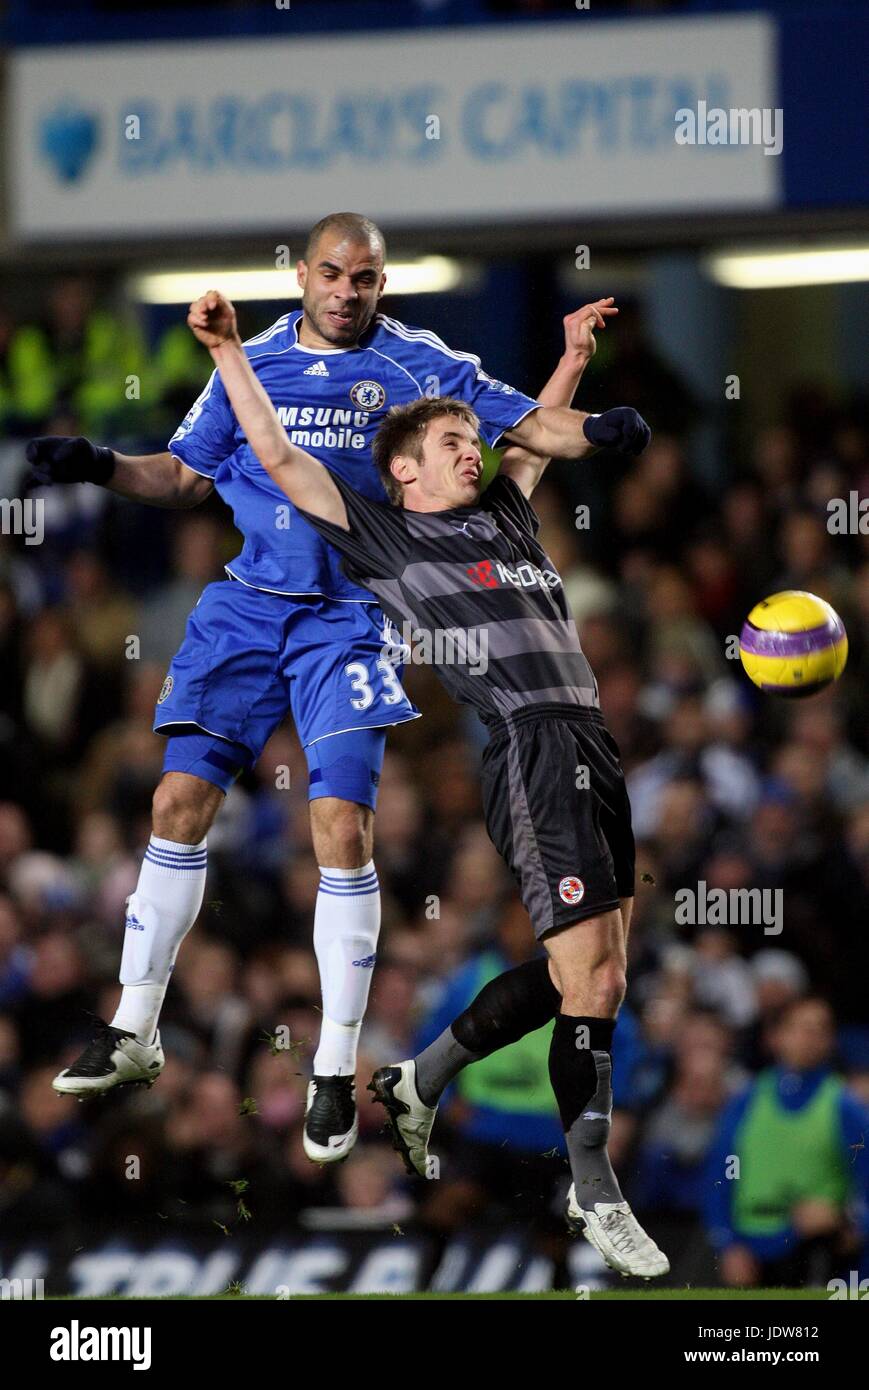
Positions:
{"x": 249, "y": 657}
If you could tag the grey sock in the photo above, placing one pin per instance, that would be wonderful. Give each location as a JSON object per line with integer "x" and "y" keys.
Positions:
{"x": 587, "y": 1137}
{"x": 438, "y": 1063}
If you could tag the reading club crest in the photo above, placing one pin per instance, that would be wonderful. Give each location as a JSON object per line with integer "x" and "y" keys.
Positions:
{"x": 368, "y": 395}
{"x": 571, "y": 890}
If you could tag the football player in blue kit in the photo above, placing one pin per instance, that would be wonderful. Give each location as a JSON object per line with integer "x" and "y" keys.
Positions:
{"x": 287, "y": 632}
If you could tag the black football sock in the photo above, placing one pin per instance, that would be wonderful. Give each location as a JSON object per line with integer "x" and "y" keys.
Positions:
{"x": 508, "y": 1007}
{"x": 580, "y": 1069}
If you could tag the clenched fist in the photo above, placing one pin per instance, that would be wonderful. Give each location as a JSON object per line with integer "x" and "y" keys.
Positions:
{"x": 212, "y": 319}
{"x": 621, "y": 428}
{"x": 65, "y": 459}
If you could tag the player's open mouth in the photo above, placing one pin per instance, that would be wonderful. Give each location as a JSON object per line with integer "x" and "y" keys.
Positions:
{"x": 340, "y": 320}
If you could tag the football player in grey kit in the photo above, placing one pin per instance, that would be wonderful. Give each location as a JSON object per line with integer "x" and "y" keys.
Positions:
{"x": 444, "y": 558}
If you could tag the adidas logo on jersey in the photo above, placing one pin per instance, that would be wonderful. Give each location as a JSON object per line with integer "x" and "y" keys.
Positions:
{"x": 316, "y": 369}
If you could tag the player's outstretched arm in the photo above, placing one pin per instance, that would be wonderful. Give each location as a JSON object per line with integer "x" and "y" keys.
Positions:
{"x": 556, "y": 431}
{"x": 305, "y": 481}
{"x": 524, "y": 467}
{"x": 157, "y": 479}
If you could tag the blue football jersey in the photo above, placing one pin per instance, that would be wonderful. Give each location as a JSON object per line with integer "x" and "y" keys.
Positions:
{"x": 330, "y": 401}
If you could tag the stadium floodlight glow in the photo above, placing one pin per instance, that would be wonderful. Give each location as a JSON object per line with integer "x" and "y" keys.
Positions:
{"x": 779, "y": 269}
{"x": 425, "y": 275}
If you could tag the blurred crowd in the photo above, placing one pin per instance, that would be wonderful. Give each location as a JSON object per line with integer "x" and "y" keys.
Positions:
{"x": 728, "y": 788}
{"x": 88, "y": 360}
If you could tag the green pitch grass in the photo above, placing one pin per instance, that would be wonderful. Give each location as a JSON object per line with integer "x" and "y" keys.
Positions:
{"x": 565, "y": 1296}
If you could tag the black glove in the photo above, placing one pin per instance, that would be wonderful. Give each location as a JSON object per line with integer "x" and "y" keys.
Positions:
{"x": 59, "y": 459}
{"x": 622, "y": 429}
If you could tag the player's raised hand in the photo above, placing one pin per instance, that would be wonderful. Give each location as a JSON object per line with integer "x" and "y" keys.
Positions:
{"x": 212, "y": 319}
{"x": 579, "y": 340}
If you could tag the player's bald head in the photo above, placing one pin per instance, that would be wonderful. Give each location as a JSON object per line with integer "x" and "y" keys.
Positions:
{"x": 347, "y": 226}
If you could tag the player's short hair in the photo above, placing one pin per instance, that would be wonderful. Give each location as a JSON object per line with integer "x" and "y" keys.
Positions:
{"x": 403, "y": 432}
{"x": 350, "y": 224}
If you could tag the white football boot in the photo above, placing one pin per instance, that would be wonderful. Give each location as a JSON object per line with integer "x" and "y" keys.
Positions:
{"x": 331, "y": 1121}
{"x": 114, "y": 1058}
{"x": 409, "y": 1119}
{"x": 615, "y": 1232}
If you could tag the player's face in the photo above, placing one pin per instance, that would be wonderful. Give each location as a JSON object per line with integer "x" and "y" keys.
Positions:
{"x": 341, "y": 285}
{"x": 451, "y": 467}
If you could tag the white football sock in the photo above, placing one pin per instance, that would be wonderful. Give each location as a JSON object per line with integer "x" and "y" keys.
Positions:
{"x": 346, "y": 927}
{"x": 160, "y": 913}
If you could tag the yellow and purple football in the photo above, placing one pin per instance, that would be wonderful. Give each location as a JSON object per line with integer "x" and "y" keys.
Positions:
{"x": 793, "y": 644}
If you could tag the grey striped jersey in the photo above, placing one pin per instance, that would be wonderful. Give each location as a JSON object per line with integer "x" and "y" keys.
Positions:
{"x": 472, "y": 591}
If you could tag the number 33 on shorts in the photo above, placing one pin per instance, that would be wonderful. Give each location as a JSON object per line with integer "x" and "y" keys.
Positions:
{"x": 363, "y": 681}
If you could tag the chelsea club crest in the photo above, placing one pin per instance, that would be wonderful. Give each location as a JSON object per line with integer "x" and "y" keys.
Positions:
{"x": 368, "y": 395}
{"x": 166, "y": 690}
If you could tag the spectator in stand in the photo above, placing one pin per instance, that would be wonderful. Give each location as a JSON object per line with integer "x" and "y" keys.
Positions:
{"x": 671, "y": 1163}
{"x": 102, "y": 617}
{"x": 795, "y": 1206}
{"x": 15, "y": 959}
{"x": 780, "y": 978}
{"x": 197, "y": 560}
{"x": 81, "y": 357}
{"x": 54, "y": 681}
